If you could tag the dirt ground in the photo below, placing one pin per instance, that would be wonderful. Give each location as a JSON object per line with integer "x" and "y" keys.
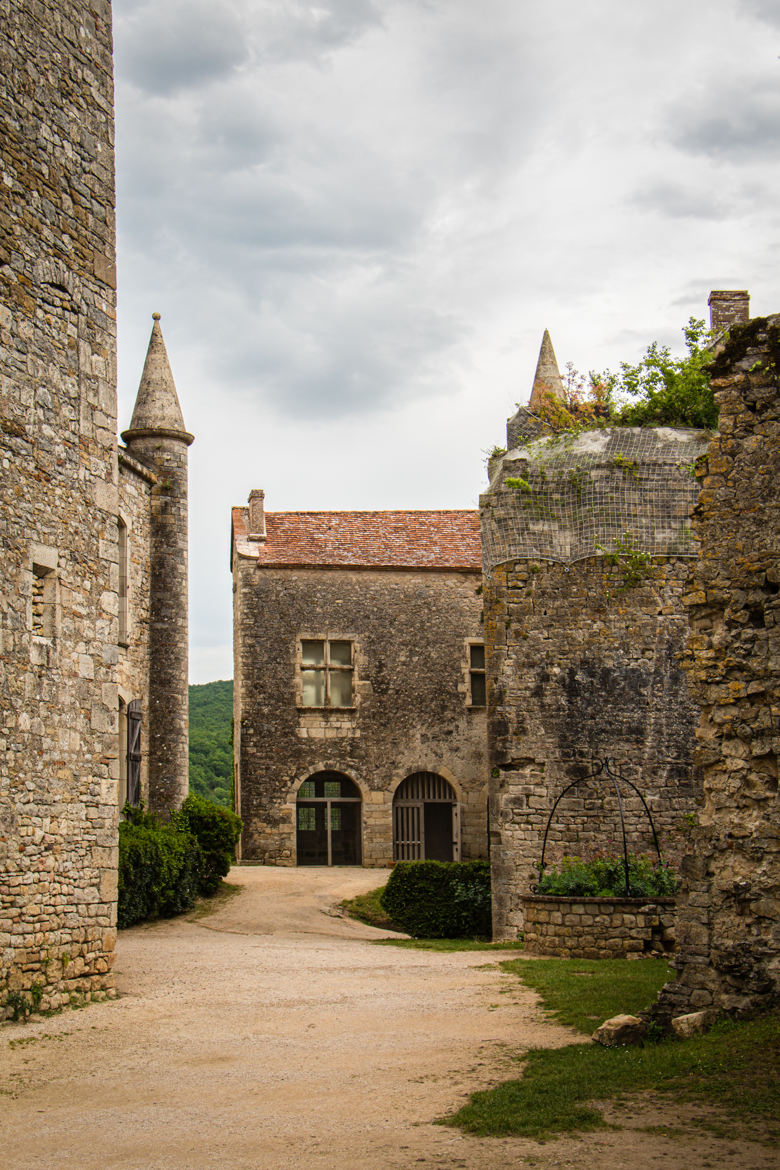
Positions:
{"x": 273, "y": 1035}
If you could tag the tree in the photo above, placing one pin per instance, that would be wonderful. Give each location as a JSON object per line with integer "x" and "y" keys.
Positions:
{"x": 664, "y": 391}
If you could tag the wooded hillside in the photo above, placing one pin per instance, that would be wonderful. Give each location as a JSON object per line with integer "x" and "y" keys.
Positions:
{"x": 211, "y": 741}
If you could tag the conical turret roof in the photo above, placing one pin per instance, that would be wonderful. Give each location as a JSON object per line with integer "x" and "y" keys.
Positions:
{"x": 547, "y": 379}
{"x": 157, "y": 410}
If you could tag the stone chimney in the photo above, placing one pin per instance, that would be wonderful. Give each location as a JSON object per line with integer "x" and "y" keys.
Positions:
{"x": 728, "y": 307}
{"x": 257, "y": 514}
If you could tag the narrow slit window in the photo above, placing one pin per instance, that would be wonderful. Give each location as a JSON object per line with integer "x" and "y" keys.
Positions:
{"x": 123, "y": 569}
{"x": 477, "y": 682}
{"x": 44, "y": 594}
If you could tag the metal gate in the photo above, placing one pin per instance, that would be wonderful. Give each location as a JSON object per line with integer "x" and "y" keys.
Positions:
{"x": 426, "y": 819}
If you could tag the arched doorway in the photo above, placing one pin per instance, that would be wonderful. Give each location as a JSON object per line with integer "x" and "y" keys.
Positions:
{"x": 328, "y": 821}
{"x": 426, "y": 821}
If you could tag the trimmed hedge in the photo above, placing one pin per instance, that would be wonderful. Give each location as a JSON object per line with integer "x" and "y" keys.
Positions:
{"x": 216, "y": 830}
{"x": 440, "y": 899}
{"x": 158, "y": 868}
{"x": 165, "y": 865}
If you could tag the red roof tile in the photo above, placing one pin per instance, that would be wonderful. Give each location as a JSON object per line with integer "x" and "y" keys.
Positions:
{"x": 403, "y": 540}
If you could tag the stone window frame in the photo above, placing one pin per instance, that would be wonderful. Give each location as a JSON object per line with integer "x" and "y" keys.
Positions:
{"x": 327, "y": 638}
{"x": 43, "y": 611}
{"x": 472, "y": 671}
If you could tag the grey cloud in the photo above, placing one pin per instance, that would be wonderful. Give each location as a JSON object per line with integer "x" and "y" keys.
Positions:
{"x": 677, "y": 201}
{"x": 182, "y": 44}
{"x": 766, "y": 10}
{"x": 298, "y": 30}
{"x": 335, "y": 355}
{"x": 741, "y": 123}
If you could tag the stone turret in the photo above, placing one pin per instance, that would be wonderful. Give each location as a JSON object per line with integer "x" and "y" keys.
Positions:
{"x": 547, "y": 379}
{"x": 528, "y": 422}
{"x": 157, "y": 438}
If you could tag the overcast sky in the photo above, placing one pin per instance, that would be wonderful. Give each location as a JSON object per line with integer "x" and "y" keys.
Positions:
{"x": 357, "y": 217}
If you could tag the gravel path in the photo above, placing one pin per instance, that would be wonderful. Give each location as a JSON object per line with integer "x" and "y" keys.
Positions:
{"x": 271, "y": 1035}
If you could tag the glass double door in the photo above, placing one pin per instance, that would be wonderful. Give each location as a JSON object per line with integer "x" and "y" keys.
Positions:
{"x": 329, "y": 821}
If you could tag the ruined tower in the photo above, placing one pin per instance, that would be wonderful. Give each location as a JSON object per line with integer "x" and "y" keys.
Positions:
{"x": 157, "y": 438}
{"x": 586, "y": 545}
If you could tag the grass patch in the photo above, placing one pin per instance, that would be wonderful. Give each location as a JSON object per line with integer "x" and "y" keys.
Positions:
{"x": 733, "y": 1069}
{"x": 449, "y": 944}
{"x": 582, "y": 993}
{"x": 203, "y": 907}
{"x": 368, "y": 908}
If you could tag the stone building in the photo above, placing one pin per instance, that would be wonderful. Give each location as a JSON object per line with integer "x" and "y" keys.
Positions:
{"x": 728, "y": 929}
{"x": 586, "y": 546}
{"x": 359, "y": 686}
{"x": 66, "y": 585}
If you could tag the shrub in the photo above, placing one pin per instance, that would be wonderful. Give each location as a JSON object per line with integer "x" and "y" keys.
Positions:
{"x": 604, "y": 877}
{"x": 440, "y": 899}
{"x": 216, "y": 831}
{"x": 159, "y": 866}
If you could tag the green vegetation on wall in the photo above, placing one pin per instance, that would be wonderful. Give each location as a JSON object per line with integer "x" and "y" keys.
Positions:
{"x": 211, "y": 741}
{"x": 659, "y": 390}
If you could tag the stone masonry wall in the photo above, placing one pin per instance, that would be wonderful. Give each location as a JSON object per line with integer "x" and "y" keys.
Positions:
{"x": 729, "y": 917}
{"x": 135, "y": 485}
{"x": 581, "y": 668}
{"x": 58, "y": 569}
{"x": 409, "y": 631}
{"x": 597, "y": 928}
{"x": 168, "y": 714}
{"x": 586, "y": 547}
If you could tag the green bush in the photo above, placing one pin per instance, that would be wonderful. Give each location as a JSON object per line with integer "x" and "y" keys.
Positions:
{"x": 440, "y": 899}
{"x": 159, "y": 866}
{"x": 604, "y": 877}
{"x": 216, "y": 831}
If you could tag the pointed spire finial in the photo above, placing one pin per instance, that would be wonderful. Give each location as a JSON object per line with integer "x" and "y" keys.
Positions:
{"x": 547, "y": 379}
{"x": 157, "y": 409}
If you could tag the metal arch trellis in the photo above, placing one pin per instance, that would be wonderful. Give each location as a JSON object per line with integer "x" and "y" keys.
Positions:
{"x": 614, "y": 776}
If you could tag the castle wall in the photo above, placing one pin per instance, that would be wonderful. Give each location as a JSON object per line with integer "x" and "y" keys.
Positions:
{"x": 728, "y": 929}
{"x": 410, "y": 632}
{"x": 135, "y": 486}
{"x": 584, "y": 625}
{"x": 58, "y": 570}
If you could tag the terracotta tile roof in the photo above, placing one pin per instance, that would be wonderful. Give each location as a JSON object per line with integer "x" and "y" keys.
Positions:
{"x": 404, "y": 540}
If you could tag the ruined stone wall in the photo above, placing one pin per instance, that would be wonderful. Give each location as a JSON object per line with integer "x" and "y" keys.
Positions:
{"x": 135, "y": 486}
{"x": 58, "y": 569}
{"x": 583, "y": 641}
{"x": 582, "y": 668}
{"x": 729, "y": 918}
{"x": 410, "y": 632}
